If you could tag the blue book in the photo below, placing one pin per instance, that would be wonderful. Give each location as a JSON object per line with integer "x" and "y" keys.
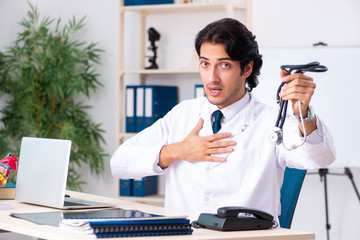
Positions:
{"x": 130, "y": 109}
{"x": 158, "y": 101}
{"x": 126, "y": 187}
{"x": 145, "y": 186}
{"x": 146, "y": 2}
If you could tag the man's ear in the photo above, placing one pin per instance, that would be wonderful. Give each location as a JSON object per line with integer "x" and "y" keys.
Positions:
{"x": 248, "y": 69}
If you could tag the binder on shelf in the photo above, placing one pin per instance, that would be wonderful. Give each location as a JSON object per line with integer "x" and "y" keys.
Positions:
{"x": 130, "y": 109}
{"x": 145, "y": 104}
{"x": 199, "y": 91}
{"x": 140, "y": 121}
{"x": 145, "y": 186}
{"x": 126, "y": 187}
{"x": 158, "y": 101}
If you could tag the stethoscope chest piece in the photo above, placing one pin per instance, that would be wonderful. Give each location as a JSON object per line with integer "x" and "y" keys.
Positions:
{"x": 276, "y": 137}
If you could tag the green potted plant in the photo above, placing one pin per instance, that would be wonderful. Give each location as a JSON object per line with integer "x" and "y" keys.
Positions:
{"x": 41, "y": 78}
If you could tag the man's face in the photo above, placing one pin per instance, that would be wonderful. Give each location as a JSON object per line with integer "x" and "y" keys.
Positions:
{"x": 223, "y": 80}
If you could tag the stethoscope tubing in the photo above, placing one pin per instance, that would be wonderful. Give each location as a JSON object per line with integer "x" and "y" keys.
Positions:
{"x": 283, "y": 104}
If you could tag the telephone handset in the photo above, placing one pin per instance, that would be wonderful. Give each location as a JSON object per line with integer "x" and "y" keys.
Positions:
{"x": 235, "y": 219}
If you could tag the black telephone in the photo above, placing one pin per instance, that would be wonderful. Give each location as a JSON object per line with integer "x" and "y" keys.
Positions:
{"x": 235, "y": 219}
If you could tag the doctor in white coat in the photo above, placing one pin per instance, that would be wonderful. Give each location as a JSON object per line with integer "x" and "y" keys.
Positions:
{"x": 236, "y": 166}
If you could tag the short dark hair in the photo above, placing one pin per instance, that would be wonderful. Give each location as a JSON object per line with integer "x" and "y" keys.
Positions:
{"x": 239, "y": 44}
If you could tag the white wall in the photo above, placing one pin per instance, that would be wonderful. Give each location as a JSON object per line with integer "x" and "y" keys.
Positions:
{"x": 299, "y": 24}
{"x": 335, "y": 112}
{"x": 294, "y": 23}
{"x": 277, "y": 23}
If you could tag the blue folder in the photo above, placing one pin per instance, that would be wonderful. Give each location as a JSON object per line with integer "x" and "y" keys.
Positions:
{"x": 126, "y": 187}
{"x": 158, "y": 101}
{"x": 145, "y": 186}
{"x": 140, "y": 108}
{"x": 145, "y": 104}
{"x": 130, "y": 109}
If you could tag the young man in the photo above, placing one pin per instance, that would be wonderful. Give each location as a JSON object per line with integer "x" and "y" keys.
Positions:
{"x": 237, "y": 166}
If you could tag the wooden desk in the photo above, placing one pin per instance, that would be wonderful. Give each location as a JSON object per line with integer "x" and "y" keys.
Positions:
{"x": 49, "y": 232}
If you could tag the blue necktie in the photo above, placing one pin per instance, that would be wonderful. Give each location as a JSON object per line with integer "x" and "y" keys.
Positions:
{"x": 217, "y": 119}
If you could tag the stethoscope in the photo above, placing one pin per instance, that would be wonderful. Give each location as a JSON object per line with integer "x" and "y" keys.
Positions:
{"x": 276, "y": 137}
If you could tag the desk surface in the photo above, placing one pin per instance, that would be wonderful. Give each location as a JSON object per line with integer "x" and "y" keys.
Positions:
{"x": 49, "y": 232}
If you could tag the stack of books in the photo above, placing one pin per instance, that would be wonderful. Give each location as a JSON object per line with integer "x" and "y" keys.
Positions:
{"x": 117, "y": 222}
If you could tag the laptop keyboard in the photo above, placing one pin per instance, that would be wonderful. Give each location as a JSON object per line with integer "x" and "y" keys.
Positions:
{"x": 69, "y": 203}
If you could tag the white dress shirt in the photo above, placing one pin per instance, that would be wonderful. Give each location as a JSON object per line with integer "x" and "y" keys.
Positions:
{"x": 251, "y": 176}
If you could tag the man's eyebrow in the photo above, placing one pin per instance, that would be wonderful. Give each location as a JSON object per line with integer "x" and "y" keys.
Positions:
{"x": 225, "y": 58}
{"x": 219, "y": 59}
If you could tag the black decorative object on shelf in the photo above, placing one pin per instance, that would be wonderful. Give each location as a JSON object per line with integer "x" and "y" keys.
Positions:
{"x": 153, "y": 36}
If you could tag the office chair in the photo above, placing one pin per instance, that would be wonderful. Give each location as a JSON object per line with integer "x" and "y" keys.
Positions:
{"x": 289, "y": 194}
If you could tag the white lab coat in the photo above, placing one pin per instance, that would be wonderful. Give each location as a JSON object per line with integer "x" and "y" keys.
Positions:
{"x": 252, "y": 175}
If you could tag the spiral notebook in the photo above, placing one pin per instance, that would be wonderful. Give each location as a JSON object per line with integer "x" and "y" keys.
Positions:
{"x": 141, "y": 227}
{"x": 143, "y": 234}
{"x": 119, "y": 222}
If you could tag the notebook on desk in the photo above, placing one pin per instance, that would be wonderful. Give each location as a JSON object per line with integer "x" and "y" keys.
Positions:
{"x": 42, "y": 174}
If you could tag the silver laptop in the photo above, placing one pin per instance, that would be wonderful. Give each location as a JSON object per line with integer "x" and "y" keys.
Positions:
{"x": 42, "y": 174}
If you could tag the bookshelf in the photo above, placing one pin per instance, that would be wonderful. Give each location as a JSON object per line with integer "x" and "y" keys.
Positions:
{"x": 227, "y": 8}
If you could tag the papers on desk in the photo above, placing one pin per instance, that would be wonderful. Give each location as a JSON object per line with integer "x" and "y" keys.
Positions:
{"x": 4, "y": 206}
{"x": 76, "y": 226}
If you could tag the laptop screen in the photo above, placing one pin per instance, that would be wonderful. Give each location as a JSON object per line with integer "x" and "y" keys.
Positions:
{"x": 42, "y": 171}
